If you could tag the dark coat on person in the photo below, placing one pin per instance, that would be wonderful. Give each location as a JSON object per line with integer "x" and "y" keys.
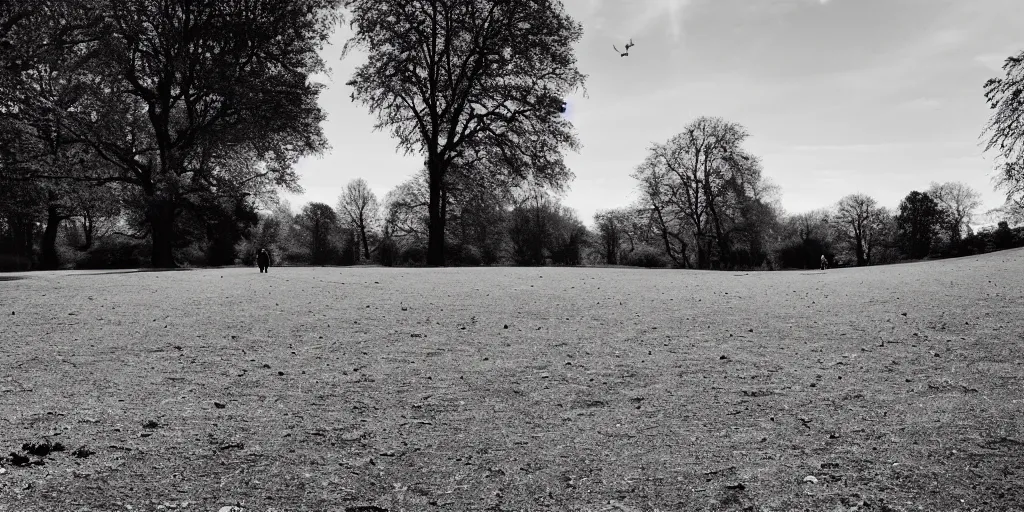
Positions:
{"x": 263, "y": 259}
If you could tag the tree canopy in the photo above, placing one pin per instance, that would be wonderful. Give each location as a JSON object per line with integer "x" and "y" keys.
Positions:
{"x": 704, "y": 191}
{"x": 918, "y": 221}
{"x": 186, "y": 102}
{"x": 466, "y": 82}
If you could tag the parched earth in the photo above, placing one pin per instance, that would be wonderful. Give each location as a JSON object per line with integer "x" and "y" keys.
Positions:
{"x": 368, "y": 389}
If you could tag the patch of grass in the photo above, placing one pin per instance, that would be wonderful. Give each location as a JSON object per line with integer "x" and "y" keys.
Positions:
{"x": 896, "y": 388}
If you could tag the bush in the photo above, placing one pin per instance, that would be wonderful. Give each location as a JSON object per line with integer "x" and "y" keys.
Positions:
{"x": 192, "y": 255}
{"x": 646, "y": 257}
{"x": 463, "y": 255}
{"x": 804, "y": 254}
{"x": 115, "y": 252}
{"x": 414, "y": 256}
{"x": 11, "y": 262}
{"x": 387, "y": 253}
{"x": 246, "y": 252}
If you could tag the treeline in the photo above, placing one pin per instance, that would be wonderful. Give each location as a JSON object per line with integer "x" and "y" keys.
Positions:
{"x": 704, "y": 204}
{"x": 528, "y": 227}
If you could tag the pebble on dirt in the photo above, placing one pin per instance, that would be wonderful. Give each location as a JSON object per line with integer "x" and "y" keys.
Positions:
{"x": 82, "y": 452}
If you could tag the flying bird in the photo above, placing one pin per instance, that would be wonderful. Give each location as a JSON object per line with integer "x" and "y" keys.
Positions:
{"x": 628, "y": 46}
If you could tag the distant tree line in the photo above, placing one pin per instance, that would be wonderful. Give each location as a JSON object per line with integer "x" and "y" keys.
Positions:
{"x": 523, "y": 227}
{"x": 704, "y": 204}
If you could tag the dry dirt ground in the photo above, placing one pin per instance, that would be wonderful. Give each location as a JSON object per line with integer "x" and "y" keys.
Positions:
{"x": 369, "y": 389}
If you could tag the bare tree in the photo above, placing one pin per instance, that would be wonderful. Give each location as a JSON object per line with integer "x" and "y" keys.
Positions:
{"x": 811, "y": 225}
{"x": 405, "y": 213}
{"x": 463, "y": 80}
{"x": 701, "y": 181}
{"x": 360, "y": 210}
{"x": 858, "y": 217}
{"x": 959, "y": 202}
{"x": 1006, "y": 127}
{"x": 660, "y": 197}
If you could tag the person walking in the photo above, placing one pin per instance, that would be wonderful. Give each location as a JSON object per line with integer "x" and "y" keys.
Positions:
{"x": 263, "y": 260}
{"x": 824, "y": 262}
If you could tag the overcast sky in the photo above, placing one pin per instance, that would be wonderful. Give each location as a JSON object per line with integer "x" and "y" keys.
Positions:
{"x": 840, "y": 96}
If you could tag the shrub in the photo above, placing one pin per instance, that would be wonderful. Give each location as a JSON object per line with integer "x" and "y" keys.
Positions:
{"x": 646, "y": 257}
{"x": 387, "y": 253}
{"x": 413, "y": 255}
{"x": 463, "y": 255}
{"x": 114, "y": 252}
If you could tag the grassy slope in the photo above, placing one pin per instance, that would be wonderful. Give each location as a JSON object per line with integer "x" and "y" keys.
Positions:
{"x": 897, "y": 386}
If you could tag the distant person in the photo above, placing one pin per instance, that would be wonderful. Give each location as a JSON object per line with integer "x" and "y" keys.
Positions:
{"x": 824, "y": 262}
{"x": 263, "y": 260}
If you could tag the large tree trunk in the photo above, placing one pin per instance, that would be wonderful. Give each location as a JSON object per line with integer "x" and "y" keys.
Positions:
{"x": 724, "y": 248}
{"x": 435, "y": 227}
{"x": 161, "y": 223}
{"x": 366, "y": 245}
{"x": 88, "y": 229}
{"x": 48, "y": 248}
{"x": 703, "y": 250}
{"x": 611, "y": 247}
{"x": 663, "y": 228}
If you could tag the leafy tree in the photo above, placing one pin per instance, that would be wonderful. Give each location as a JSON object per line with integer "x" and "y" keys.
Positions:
{"x": 466, "y": 82}
{"x": 1005, "y": 128}
{"x": 882, "y": 239}
{"x": 266, "y": 234}
{"x": 610, "y": 227}
{"x": 622, "y": 231}
{"x": 360, "y": 211}
{"x": 188, "y": 102}
{"x": 918, "y": 222}
{"x": 1002, "y": 236}
{"x": 541, "y": 230}
{"x": 318, "y": 223}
